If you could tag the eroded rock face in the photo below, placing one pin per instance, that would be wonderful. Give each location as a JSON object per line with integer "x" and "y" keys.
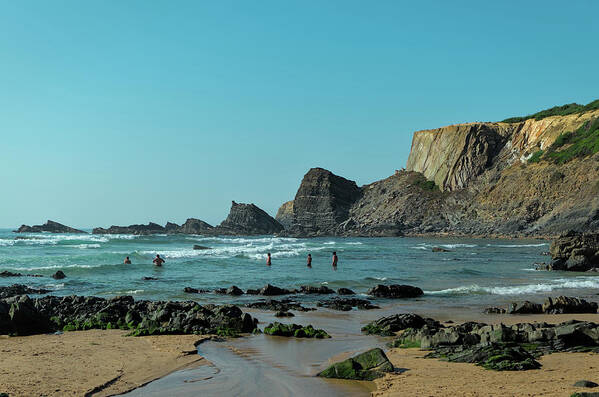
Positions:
{"x": 575, "y": 252}
{"x": 48, "y": 227}
{"x": 248, "y": 219}
{"x": 285, "y": 214}
{"x": 322, "y": 202}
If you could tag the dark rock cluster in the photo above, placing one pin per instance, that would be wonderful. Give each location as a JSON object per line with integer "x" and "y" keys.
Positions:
{"x": 23, "y": 316}
{"x": 575, "y": 252}
{"x": 295, "y": 330}
{"x": 369, "y": 365}
{"x": 558, "y": 305}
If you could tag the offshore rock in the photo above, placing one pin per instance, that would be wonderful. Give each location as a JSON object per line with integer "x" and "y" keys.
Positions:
{"x": 248, "y": 219}
{"x": 395, "y": 291}
{"x": 20, "y": 289}
{"x": 323, "y": 289}
{"x": 195, "y": 226}
{"x": 321, "y": 203}
{"x": 369, "y": 365}
{"x": 49, "y": 227}
{"x": 150, "y": 228}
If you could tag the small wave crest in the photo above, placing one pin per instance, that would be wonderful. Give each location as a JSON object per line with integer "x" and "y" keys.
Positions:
{"x": 475, "y": 289}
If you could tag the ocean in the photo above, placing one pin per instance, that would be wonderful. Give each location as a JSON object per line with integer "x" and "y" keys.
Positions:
{"x": 475, "y": 273}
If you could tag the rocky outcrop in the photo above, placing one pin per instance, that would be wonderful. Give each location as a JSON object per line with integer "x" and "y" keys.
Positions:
{"x": 322, "y": 203}
{"x": 295, "y": 330}
{"x": 248, "y": 219}
{"x": 369, "y": 365}
{"x": 23, "y": 316}
{"x": 195, "y": 226}
{"x": 575, "y": 252}
{"x": 467, "y": 179}
{"x": 20, "y": 289}
{"x": 48, "y": 227}
{"x": 150, "y": 228}
{"x": 395, "y": 291}
{"x": 285, "y": 214}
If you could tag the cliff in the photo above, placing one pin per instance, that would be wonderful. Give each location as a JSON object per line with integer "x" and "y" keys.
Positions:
{"x": 536, "y": 177}
{"x": 248, "y": 219}
{"x": 285, "y": 214}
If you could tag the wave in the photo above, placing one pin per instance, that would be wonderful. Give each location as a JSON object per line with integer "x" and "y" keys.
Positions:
{"x": 517, "y": 245}
{"x": 518, "y": 289}
{"x": 427, "y": 246}
{"x": 52, "y": 267}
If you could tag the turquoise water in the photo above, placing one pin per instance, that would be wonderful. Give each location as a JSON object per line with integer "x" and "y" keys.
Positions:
{"x": 477, "y": 272}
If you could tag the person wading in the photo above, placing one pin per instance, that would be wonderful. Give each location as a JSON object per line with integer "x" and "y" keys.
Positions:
{"x": 127, "y": 261}
{"x": 268, "y": 261}
{"x": 158, "y": 261}
{"x": 335, "y": 259}
{"x": 309, "y": 260}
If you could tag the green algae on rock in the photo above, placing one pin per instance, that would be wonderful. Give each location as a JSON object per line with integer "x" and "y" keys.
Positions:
{"x": 295, "y": 330}
{"x": 369, "y": 365}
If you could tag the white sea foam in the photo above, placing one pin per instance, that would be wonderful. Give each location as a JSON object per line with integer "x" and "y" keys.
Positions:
{"x": 520, "y": 289}
{"x": 517, "y": 245}
{"x": 419, "y": 247}
{"x": 354, "y": 243}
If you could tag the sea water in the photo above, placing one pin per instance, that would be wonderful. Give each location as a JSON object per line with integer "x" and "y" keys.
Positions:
{"x": 474, "y": 274}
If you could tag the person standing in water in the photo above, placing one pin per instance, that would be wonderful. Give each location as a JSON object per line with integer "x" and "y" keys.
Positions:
{"x": 268, "y": 261}
{"x": 158, "y": 261}
{"x": 309, "y": 260}
{"x": 127, "y": 261}
{"x": 335, "y": 259}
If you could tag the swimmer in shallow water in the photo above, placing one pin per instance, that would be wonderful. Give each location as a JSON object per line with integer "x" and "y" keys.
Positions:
{"x": 268, "y": 260}
{"x": 127, "y": 261}
{"x": 158, "y": 261}
{"x": 309, "y": 260}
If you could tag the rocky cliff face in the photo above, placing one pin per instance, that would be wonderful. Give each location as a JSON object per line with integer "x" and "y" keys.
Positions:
{"x": 248, "y": 219}
{"x": 195, "y": 226}
{"x": 48, "y": 227}
{"x": 455, "y": 155}
{"x": 322, "y": 202}
{"x": 469, "y": 179}
{"x": 285, "y": 214}
{"x": 150, "y": 228}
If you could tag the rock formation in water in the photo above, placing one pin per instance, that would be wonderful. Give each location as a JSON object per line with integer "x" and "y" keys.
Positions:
{"x": 48, "y": 227}
{"x": 575, "y": 252}
{"x": 195, "y": 226}
{"x": 248, "y": 219}
{"x": 150, "y": 228}
{"x": 526, "y": 178}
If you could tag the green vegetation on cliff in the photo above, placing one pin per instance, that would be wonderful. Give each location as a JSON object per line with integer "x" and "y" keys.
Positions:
{"x": 563, "y": 110}
{"x": 569, "y": 145}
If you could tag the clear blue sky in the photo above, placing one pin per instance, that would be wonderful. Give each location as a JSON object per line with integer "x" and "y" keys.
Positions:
{"x": 119, "y": 112}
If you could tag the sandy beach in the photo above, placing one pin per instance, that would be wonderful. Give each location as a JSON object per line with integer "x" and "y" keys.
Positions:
{"x": 77, "y": 363}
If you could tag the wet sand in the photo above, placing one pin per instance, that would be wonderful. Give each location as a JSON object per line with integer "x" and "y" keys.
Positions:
{"x": 75, "y": 363}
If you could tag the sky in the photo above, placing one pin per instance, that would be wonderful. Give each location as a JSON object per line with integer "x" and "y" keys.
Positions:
{"x": 121, "y": 112}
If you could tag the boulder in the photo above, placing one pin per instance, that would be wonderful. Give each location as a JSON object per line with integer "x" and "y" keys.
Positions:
{"x": 271, "y": 290}
{"x": 345, "y": 291}
{"x": 496, "y": 357}
{"x": 282, "y": 305}
{"x": 564, "y": 304}
{"x": 439, "y": 249}
{"x": 200, "y": 247}
{"x": 395, "y": 291}
{"x": 281, "y": 313}
{"x": 48, "y": 227}
{"x": 295, "y": 330}
{"x": 59, "y": 275}
{"x": 494, "y": 310}
{"x": 25, "y": 318}
{"x": 147, "y": 278}
{"x": 389, "y": 325}
{"x": 525, "y": 307}
{"x": 346, "y": 304}
{"x": 369, "y": 365}
{"x": 234, "y": 290}
{"x": 585, "y": 383}
{"x": 322, "y": 289}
